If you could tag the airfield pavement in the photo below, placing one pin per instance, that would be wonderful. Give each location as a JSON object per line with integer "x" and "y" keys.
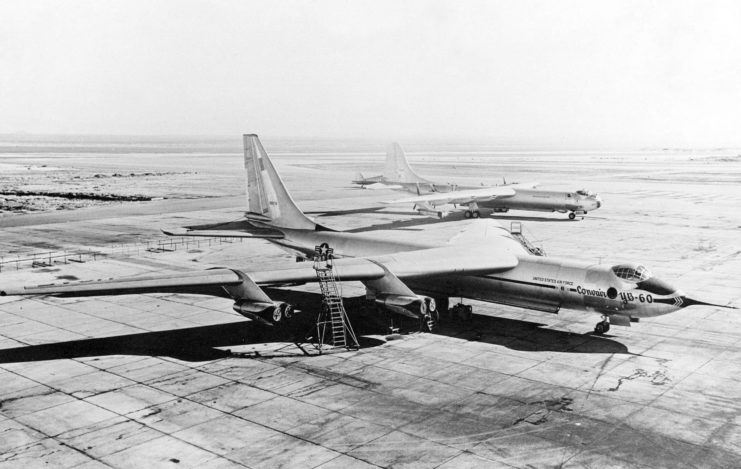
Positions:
{"x": 174, "y": 380}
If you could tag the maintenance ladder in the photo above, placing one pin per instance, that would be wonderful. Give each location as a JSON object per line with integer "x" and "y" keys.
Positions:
{"x": 333, "y": 318}
{"x": 516, "y": 231}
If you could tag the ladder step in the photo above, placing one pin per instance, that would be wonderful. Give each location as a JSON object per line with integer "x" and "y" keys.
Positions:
{"x": 333, "y": 318}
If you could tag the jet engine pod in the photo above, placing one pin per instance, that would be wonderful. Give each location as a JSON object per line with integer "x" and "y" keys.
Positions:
{"x": 411, "y": 306}
{"x": 266, "y": 313}
{"x": 426, "y": 209}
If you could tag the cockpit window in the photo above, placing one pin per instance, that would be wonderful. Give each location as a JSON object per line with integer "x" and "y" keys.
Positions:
{"x": 584, "y": 192}
{"x": 632, "y": 273}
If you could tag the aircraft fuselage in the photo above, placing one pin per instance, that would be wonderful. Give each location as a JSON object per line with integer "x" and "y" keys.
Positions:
{"x": 540, "y": 283}
{"x": 542, "y": 200}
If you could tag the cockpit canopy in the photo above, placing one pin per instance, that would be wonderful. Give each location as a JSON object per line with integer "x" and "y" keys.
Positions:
{"x": 632, "y": 272}
{"x": 585, "y": 193}
{"x": 642, "y": 277}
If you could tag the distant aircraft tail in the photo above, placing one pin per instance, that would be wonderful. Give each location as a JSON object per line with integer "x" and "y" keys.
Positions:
{"x": 268, "y": 201}
{"x": 397, "y": 169}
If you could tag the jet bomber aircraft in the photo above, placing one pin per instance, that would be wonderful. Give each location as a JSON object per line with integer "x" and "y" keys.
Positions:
{"x": 397, "y": 174}
{"x": 401, "y": 273}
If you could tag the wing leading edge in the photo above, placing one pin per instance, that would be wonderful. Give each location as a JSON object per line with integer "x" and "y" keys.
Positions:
{"x": 449, "y": 260}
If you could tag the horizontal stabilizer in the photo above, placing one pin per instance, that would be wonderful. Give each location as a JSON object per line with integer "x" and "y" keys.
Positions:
{"x": 233, "y": 229}
{"x": 223, "y": 234}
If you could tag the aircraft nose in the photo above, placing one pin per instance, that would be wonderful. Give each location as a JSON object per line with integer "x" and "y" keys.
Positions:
{"x": 598, "y": 200}
{"x": 684, "y": 301}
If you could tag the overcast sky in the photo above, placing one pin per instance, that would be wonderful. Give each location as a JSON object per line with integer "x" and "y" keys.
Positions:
{"x": 595, "y": 73}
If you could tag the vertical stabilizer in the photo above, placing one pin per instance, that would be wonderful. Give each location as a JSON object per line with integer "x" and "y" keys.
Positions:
{"x": 268, "y": 201}
{"x": 397, "y": 169}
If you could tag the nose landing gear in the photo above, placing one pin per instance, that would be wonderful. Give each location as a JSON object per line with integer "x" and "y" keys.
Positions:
{"x": 602, "y": 326}
{"x": 573, "y": 215}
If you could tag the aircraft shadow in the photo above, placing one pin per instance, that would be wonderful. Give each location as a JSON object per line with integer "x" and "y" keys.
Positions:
{"x": 510, "y": 333}
{"x": 528, "y": 336}
{"x": 200, "y": 343}
{"x": 532, "y": 218}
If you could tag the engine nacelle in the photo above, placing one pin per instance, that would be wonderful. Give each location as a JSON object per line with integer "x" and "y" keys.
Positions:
{"x": 411, "y": 306}
{"x": 265, "y": 313}
{"x": 427, "y": 209}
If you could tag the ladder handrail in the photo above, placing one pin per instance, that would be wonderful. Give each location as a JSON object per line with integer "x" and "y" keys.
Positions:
{"x": 333, "y": 312}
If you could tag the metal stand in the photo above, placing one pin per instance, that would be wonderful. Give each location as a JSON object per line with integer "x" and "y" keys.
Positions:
{"x": 332, "y": 325}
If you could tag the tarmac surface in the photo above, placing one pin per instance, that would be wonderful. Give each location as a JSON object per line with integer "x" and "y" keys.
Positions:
{"x": 174, "y": 380}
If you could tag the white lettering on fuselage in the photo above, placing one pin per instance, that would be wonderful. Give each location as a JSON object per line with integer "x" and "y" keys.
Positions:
{"x": 552, "y": 280}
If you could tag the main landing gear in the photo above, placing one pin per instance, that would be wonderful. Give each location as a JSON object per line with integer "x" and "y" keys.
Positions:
{"x": 461, "y": 312}
{"x": 602, "y": 326}
{"x": 473, "y": 211}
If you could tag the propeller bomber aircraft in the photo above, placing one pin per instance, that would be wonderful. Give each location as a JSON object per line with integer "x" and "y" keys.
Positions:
{"x": 397, "y": 174}
{"x": 400, "y": 272}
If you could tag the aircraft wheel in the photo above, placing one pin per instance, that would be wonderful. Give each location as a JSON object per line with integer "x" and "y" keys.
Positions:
{"x": 572, "y": 215}
{"x": 442, "y": 306}
{"x": 599, "y": 329}
{"x": 467, "y": 214}
{"x": 476, "y": 214}
{"x": 606, "y": 326}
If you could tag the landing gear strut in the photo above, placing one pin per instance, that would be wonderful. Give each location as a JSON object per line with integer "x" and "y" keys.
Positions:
{"x": 602, "y": 326}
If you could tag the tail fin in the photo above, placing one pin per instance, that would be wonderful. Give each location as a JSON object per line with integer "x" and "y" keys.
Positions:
{"x": 268, "y": 201}
{"x": 397, "y": 169}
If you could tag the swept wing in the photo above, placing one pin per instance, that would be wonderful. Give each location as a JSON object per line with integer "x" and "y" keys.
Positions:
{"x": 457, "y": 197}
{"x": 448, "y": 260}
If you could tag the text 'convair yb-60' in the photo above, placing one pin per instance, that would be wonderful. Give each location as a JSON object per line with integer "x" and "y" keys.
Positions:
{"x": 431, "y": 196}
{"x": 401, "y": 272}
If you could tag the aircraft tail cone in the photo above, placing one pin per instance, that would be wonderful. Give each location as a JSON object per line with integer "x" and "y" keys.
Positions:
{"x": 687, "y": 301}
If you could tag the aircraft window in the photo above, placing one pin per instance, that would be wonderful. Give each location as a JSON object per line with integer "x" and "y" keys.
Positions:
{"x": 631, "y": 273}
{"x": 584, "y": 192}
